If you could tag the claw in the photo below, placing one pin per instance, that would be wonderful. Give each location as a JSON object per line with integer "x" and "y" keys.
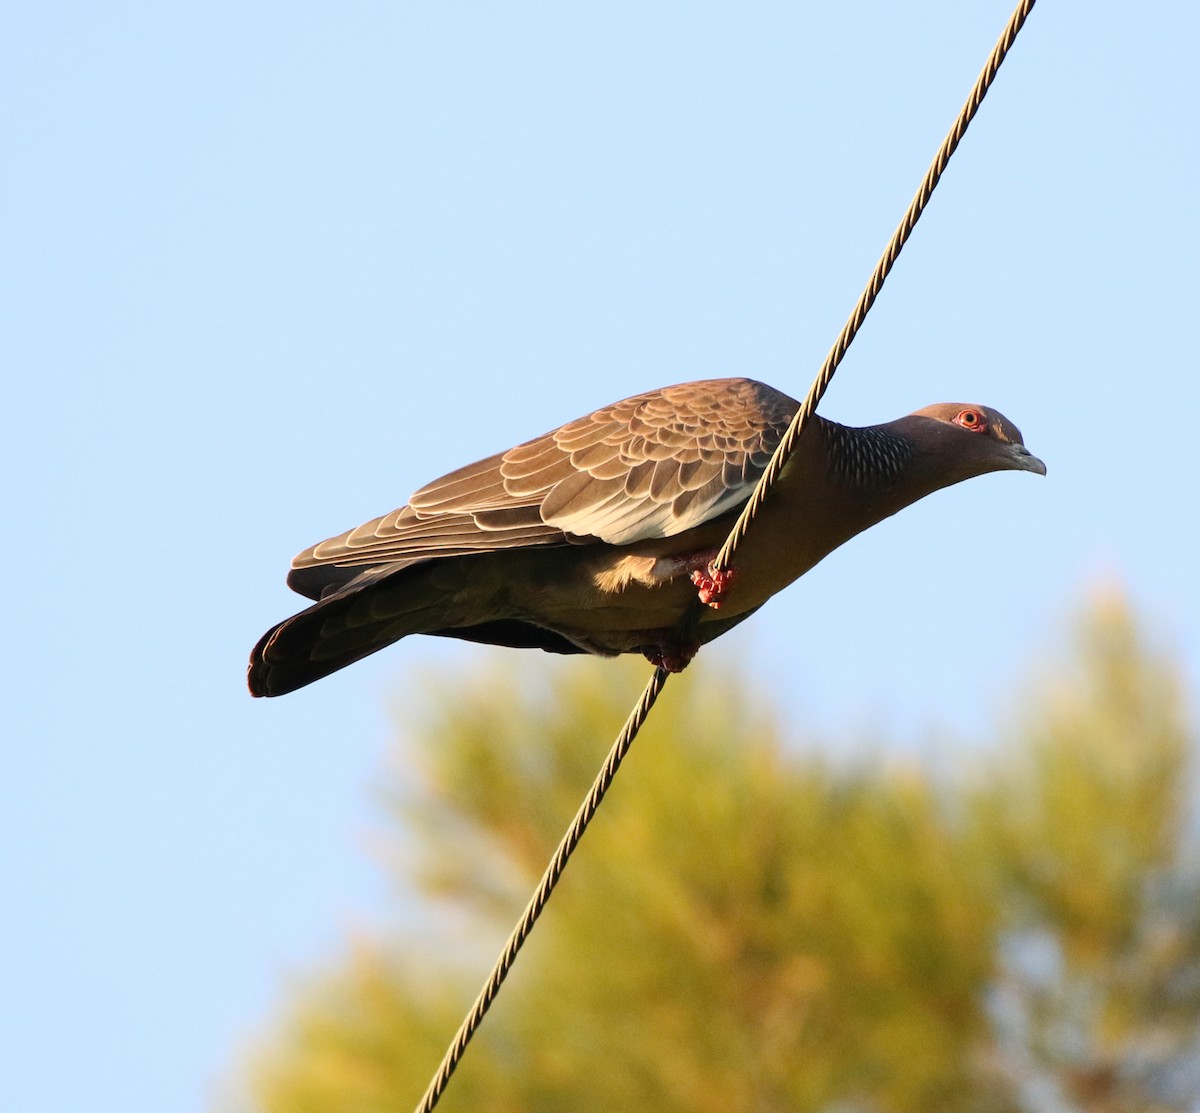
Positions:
{"x": 712, "y": 584}
{"x": 674, "y": 658}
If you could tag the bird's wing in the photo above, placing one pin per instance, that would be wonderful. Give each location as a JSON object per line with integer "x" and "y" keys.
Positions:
{"x": 654, "y": 465}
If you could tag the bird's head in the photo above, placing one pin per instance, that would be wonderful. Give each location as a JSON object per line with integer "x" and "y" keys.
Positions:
{"x": 965, "y": 440}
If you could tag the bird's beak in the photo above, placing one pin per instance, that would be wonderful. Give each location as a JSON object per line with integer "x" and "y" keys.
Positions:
{"x": 1024, "y": 460}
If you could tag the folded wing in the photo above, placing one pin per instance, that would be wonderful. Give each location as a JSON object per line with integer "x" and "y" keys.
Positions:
{"x": 650, "y": 466}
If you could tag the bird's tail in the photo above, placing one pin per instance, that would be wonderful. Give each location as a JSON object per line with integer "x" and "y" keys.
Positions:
{"x": 348, "y": 624}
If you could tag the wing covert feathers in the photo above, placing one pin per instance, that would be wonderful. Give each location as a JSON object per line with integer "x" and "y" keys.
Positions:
{"x": 653, "y": 465}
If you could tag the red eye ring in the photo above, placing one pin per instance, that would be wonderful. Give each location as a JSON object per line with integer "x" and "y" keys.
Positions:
{"x": 971, "y": 420}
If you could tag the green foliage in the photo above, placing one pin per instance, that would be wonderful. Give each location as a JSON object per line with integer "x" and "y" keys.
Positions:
{"x": 749, "y": 927}
{"x": 1085, "y": 825}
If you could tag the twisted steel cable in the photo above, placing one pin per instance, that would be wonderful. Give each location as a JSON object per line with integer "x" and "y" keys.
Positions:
{"x": 637, "y": 717}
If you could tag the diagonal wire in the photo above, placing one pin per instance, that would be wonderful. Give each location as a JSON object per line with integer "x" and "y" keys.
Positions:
{"x": 545, "y": 887}
{"x": 882, "y": 269}
{"x": 659, "y": 678}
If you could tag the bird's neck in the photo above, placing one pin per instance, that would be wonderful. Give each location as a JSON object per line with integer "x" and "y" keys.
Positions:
{"x": 874, "y": 471}
{"x": 880, "y": 469}
{"x": 839, "y": 481}
{"x": 871, "y": 458}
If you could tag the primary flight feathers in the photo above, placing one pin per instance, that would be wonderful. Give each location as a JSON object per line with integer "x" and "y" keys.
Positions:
{"x": 587, "y": 539}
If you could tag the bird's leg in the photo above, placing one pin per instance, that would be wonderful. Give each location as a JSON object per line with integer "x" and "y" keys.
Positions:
{"x": 676, "y": 652}
{"x": 673, "y": 658}
{"x": 711, "y": 584}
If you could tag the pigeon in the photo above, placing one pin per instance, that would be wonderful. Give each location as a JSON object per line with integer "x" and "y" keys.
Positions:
{"x": 599, "y": 537}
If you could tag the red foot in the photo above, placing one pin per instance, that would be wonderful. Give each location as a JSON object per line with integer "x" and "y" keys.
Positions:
{"x": 712, "y": 584}
{"x": 673, "y": 659}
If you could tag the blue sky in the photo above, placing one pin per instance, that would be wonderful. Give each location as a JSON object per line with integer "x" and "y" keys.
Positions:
{"x": 269, "y": 267}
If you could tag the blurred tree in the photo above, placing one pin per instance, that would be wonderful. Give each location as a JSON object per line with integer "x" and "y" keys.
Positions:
{"x": 748, "y": 927}
{"x": 1085, "y": 821}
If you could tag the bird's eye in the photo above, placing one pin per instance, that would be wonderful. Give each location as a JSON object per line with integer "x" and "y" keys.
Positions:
{"x": 971, "y": 420}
